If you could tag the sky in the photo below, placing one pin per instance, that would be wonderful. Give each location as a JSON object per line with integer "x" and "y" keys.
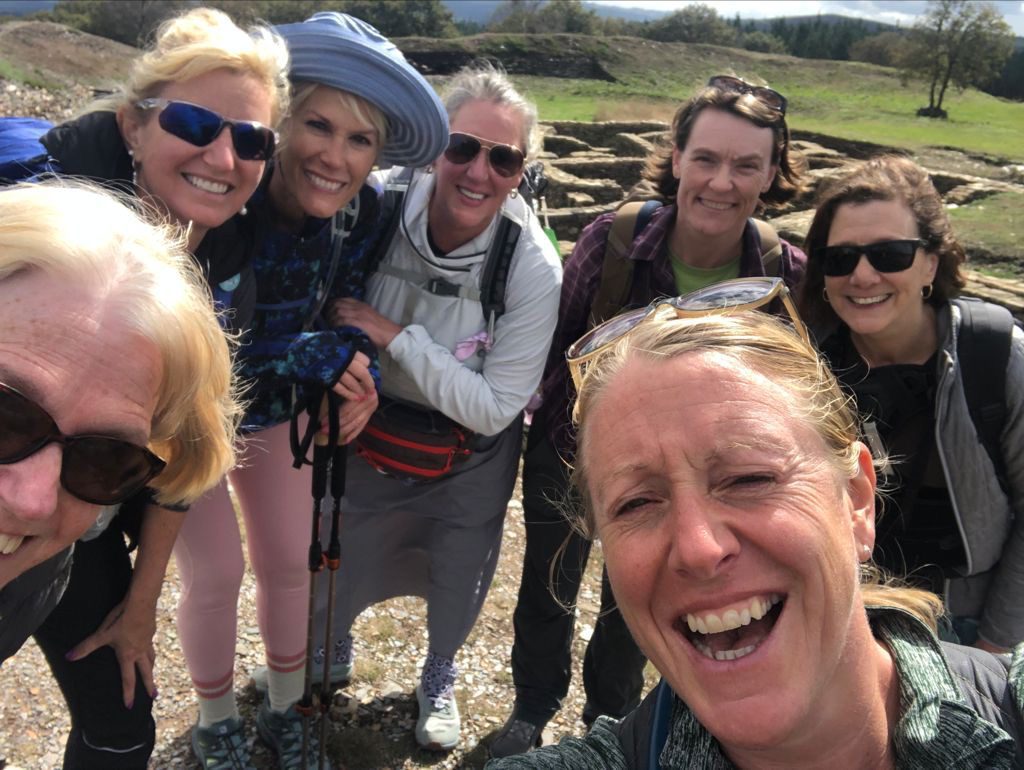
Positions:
{"x": 902, "y": 12}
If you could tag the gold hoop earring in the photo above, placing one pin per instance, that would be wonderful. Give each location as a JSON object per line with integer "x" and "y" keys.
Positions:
{"x": 824, "y": 296}
{"x": 926, "y": 291}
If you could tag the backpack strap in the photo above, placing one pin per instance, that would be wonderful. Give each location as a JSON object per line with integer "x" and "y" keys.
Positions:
{"x": 983, "y": 348}
{"x": 390, "y": 214}
{"x": 617, "y": 270}
{"x": 771, "y": 248}
{"x": 494, "y": 279}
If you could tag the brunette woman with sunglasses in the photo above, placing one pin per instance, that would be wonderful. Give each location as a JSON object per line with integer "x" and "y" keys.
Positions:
{"x": 188, "y": 135}
{"x": 728, "y": 155}
{"x": 883, "y": 275}
{"x": 450, "y": 370}
{"x": 355, "y": 102}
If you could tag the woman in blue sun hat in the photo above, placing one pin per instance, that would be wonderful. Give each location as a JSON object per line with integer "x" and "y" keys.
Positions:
{"x": 356, "y": 102}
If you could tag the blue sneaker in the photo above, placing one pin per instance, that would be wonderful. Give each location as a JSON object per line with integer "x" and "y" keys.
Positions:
{"x": 222, "y": 746}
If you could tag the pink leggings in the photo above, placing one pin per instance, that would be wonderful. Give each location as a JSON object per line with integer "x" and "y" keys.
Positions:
{"x": 277, "y": 508}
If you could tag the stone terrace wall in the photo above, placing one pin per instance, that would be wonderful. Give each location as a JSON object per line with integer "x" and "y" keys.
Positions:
{"x": 592, "y": 166}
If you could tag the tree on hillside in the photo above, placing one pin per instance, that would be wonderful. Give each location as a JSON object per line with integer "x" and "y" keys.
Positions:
{"x": 885, "y": 49}
{"x": 133, "y": 22}
{"x": 533, "y": 17}
{"x": 763, "y": 42}
{"x": 130, "y": 23}
{"x": 696, "y": 23}
{"x": 962, "y": 42}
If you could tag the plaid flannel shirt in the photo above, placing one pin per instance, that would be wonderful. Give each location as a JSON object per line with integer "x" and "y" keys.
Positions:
{"x": 580, "y": 281}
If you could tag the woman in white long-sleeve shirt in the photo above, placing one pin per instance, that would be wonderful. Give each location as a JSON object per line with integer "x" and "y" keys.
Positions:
{"x": 442, "y": 360}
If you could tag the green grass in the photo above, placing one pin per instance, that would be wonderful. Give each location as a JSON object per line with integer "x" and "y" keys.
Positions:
{"x": 995, "y": 224}
{"x": 844, "y": 99}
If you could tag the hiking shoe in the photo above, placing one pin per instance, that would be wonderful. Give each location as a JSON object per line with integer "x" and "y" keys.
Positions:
{"x": 437, "y": 728}
{"x": 341, "y": 675}
{"x": 516, "y": 736}
{"x": 283, "y": 733}
{"x": 222, "y": 746}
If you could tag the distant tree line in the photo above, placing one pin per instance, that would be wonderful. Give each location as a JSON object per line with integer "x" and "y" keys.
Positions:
{"x": 957, "y": 42}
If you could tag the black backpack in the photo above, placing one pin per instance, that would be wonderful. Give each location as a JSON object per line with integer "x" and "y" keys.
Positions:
{"x": 983, "y": 348}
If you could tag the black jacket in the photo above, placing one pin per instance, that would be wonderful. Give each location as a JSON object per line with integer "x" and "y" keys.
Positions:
{"x": 92, "y": 147}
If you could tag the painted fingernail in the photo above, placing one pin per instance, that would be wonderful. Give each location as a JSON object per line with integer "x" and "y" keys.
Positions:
{"x": 131, "y": 704}
{"x": 155, "y": 694}
{"x": 69, "y": 655}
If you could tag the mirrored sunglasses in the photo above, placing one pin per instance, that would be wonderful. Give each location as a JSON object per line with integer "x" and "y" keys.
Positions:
{"x": 505, "y": 159}
{"x": 720, "y": 298}
{"x": 884, "y": 256}
{"x": 199, "y": 127}
{"x": 97, "y": 469}
{"x": 767, "y": 96}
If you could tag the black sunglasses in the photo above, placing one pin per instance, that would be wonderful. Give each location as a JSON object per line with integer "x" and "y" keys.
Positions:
{"x": 884, "y": 256}
{"x": 97, "y": 469}
{"x": 199, "y": 126}
{"x": 505, "y": 159}
{"x": 767, "y": 96}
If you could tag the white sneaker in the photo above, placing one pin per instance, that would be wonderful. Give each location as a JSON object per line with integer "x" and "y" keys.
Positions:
{"x": 437, "y": 728}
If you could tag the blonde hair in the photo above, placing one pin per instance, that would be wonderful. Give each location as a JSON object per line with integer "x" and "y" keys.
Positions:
{"x": 201, "y": 41}
{"x": 765, "y": 345}
{"x": 364, "y": 111}
{"x": 77, "y": 233}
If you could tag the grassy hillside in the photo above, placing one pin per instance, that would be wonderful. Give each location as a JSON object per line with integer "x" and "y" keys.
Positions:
{"x": 845, "y": 99}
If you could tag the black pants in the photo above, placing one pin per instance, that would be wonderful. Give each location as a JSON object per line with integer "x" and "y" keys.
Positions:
{"x": 104, "y": 734}
{"x": 542, "y": 652}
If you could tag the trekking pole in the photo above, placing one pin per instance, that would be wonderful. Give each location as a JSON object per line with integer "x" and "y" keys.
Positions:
{"x": 333, "y": 561}
{"x": 321, "y": 461}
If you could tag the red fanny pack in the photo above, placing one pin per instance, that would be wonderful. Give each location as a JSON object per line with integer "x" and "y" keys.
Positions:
{"x": 413, "y": 445}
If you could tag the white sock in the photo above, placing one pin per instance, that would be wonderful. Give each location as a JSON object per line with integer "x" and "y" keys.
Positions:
{"x": 214, "y": 710}
{"x": 284, "y": 689}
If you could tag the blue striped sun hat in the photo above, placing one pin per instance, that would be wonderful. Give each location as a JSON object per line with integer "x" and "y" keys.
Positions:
{"x": 346, "y": 53}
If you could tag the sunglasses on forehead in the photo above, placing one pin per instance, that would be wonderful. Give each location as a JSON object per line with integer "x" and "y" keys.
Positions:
{"x": 97, "y": 469}
{"x": 884, "y": 256}
{"x": 769, "y": 97}
{"x": 505, "y": 159}
{"x": 720, "y": 298}
{"x": 199, "y": 127}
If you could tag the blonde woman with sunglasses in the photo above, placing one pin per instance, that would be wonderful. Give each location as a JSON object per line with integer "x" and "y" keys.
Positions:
{"x": 188, "y": 135}
{"x": 356, "y": 101}
{"x": 719, "y": 463}
{"x": 447, "y": 368}
{"x": 728, "y": 154}
{"x": 884, "y": 272}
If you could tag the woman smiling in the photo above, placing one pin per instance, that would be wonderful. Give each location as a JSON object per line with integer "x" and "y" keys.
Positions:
{"x": 719, "y": 464}
{"x": 882, "y": 282}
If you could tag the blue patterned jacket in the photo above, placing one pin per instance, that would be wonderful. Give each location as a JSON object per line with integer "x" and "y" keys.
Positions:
{"x": 290, "y": 269}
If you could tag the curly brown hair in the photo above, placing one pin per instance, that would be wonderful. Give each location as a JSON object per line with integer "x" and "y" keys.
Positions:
{"x": 885, "y": 178}
{"x": 658, "y": 179}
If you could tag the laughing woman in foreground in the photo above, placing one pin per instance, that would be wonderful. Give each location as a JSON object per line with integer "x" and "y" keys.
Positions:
{"x": 719, "y": 464}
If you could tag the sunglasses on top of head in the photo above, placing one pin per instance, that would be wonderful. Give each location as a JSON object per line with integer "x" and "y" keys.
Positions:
{"x": 505, "y": 159}
{"x": 725, "y": 297}
{"x": 884, "y": 256}
{"x": 199, "y": 127}
{"x": 101, "y": 470}
{"x": 769, "y": 97}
